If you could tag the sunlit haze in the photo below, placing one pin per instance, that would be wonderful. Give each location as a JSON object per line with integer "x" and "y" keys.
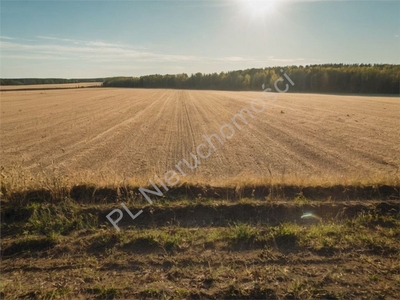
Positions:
{"x": 109, "y": 38}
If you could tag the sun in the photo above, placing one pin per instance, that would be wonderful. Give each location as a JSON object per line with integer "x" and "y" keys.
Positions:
{"x": 259, "y": 7}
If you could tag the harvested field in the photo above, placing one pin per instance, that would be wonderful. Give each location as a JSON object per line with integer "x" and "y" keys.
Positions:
{"x": 48, "y": 86}
{"x": 107, "y": 135}
{"x": 235, "y": 227}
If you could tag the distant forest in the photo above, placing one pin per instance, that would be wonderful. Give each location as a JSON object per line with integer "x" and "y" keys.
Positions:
{"x": 28, "y": 81}
{"x": 327, "y": 78}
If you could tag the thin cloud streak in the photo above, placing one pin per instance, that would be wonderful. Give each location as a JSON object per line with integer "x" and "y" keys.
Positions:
{"x": 6, "y": 37}
{"x": 80, "y": 42}
{"x": 286, "y": 60}
{"x": 90, "y": 50}
{"x": 100, "y": 51}
{"x": 235, "y": 59}
{"x": 121, "y": 58}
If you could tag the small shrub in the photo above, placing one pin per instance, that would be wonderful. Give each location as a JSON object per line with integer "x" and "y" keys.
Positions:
{"x": 242, "y": 232}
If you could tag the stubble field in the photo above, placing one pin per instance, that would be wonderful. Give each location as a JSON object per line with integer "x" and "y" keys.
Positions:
{"x": 300, "y": 202}
{"x": 128, "y": 133}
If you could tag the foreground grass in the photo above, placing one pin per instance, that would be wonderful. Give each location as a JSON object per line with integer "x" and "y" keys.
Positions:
{"x": 55, "y": 251}
{"x": 20, "y": 187}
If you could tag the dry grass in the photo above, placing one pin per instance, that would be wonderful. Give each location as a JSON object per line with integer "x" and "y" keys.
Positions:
{"x": 66, "y": 257}
{"x": 17, "y": 179}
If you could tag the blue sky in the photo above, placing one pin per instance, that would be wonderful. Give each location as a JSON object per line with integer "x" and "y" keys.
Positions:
{"x": 77, "y": 39}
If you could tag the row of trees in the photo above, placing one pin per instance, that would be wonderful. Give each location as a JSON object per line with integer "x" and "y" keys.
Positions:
{"x": 328, "y": 78}
{"x": 27, "y": 81}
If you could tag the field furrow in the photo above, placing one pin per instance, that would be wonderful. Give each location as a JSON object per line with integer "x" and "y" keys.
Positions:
{"x": 138, "y": 133}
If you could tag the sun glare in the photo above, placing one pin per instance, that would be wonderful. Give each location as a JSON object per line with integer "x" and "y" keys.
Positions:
{"x": 259, "y": 7}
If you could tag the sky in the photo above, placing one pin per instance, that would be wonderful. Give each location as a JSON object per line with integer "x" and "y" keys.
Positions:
{"x": 87, "y": 39}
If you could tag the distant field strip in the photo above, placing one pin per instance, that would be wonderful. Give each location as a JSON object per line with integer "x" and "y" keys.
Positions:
{"x": 137, "y": 133}
{"x": 6, "y": 88}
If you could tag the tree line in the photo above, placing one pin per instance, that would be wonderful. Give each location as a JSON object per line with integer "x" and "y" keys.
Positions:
{"x": 29, "y": 81}
{"x": 327, "y": 78}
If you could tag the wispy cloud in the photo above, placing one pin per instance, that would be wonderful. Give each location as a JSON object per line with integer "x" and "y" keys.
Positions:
{"x": 2, "y": 37}
{"x": 83, "y": 50}
{"x": 235, "y": 59}
{"x": 286, "y": 60}
{"x": 46, "y": 47}
{"x": 32, "y": 57}
{"x": 103, "y": 52}
{"x": 56, "y": 39}
{"x": 88, "y": 43}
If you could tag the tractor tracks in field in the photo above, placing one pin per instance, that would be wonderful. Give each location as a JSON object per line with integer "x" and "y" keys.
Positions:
{"x": 140, "y": 132}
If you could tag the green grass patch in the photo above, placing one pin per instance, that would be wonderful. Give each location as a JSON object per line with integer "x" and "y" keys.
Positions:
{"x": 62, "y": 218}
